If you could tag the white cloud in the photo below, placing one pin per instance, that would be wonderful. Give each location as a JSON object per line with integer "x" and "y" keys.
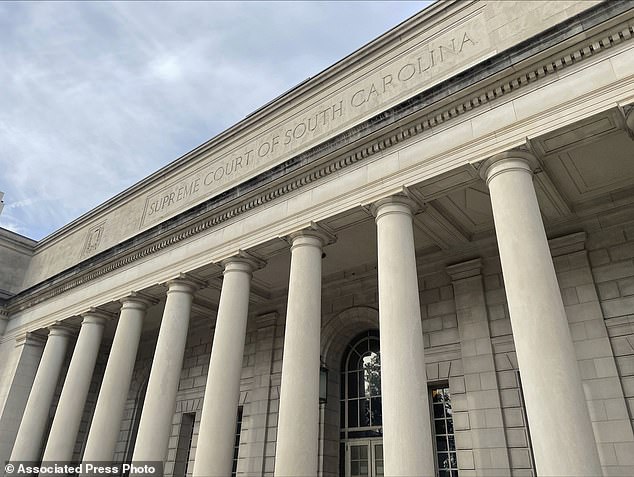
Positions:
{"x": 97, "y": 95}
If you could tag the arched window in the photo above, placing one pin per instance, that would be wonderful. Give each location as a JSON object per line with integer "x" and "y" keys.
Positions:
{"x": 361, "y": 414}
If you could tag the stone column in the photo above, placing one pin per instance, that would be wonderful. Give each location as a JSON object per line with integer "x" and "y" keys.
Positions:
{"x": 559, "y": 422}
{"x": 106, "y": 421}
{"x": 160, "y": 398}
{"x": 214, "y": 450}
{"x": 407, "y": 443}
{"x": 298, "y": 426}
{"x": 28, "y": 442}
{"x": 28, "y": 353}
{"x": 61, "y": 440}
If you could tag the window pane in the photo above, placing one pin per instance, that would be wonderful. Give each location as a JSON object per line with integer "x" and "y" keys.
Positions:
{"x": 353, "y": 413}
{"x": 354, "y": 452}
{"x": 377, "y": 412}
{"x": 372, "y": 375}
{"x": 443, "y": 427}
{"x": 440, "y": 426}
{"x": 378, "y": 451}
{"x": 363, "y": 452}
{"x": 364, "y": 414}
{"x": 443, "y": 460}
{"x": 353, "y": 386}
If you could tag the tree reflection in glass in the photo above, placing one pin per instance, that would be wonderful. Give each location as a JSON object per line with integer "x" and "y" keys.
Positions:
{"x": 371, "y": 365}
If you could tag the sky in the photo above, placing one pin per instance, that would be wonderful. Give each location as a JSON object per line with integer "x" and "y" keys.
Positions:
{"x": 95, "y": 96}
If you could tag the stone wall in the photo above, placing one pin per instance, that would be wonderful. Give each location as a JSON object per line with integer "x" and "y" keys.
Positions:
{"x": 15, "y": 255}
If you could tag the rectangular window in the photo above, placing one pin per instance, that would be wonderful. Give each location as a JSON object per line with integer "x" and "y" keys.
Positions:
{"x": 442, "y": 427}
{"x": 183, "y": 451}
{"x": 236, "y": 445}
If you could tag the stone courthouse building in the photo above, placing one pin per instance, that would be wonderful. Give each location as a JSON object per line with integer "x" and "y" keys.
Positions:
{"x": 418, "y": 262}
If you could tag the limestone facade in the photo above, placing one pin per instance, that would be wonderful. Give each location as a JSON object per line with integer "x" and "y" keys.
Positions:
{"x": 457, "y": 196}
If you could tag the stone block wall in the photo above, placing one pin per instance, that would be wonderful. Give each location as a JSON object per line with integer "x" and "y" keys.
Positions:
{"x": 611, "y": 262}
{"x": 507, "y": 371}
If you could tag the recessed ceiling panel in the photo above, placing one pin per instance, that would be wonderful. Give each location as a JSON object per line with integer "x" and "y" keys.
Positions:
{"x": 595, "y": 169}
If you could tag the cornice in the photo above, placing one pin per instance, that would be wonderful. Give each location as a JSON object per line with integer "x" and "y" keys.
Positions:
{"x": 224, "y": 208}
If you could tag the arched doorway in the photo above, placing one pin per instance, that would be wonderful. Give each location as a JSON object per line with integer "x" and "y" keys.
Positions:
{"x": 361, "y": 450}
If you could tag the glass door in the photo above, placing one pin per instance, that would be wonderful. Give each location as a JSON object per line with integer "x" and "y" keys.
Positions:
{"x": 364, "y": 458}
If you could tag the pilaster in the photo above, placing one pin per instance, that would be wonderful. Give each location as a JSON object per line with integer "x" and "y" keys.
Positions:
{"x": 261, "y": 408}
{"x": 481, "y": 420}
{"x": 595, "y": 356}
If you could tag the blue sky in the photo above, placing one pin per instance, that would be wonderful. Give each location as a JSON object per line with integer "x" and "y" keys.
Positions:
{"x": 97, "y": 95}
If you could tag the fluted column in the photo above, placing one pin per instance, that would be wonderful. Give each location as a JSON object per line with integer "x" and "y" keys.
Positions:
{"x": 61, "y": 440}
{"x": 214, "y": 451}
{"x": 559, "y": 422}
{"x": 106, "y": 421}
{"x": 160, "y": 398}
{"x": 28, "y": 442}
{"x": 298, "y": 424}
{"x": 407, "y": 443}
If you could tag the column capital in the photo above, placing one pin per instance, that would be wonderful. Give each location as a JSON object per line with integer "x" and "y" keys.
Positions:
{"x": 508, "y": 161}
{"x": 243, "y": 261}
{"x": 96, "y": 316}
{"x": 462, "y": 270}
{"x": 30, "y": 338}
{"x": 394, "y": 204}
{"x": 185, "y": 283}
{"x": 59, "y": 328}
{"x": 137, "y": 300}
{"x": 315, "y": 235}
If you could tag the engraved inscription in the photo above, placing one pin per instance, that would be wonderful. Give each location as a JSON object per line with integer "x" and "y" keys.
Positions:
{"x": 401, "y": 76}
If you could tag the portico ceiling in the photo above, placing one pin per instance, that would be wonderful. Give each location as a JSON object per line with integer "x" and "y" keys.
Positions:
{"x": 587, "y": 168}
